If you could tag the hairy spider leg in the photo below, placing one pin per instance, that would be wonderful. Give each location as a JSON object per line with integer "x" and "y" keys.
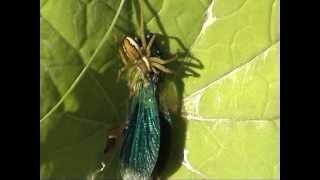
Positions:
{"x": 143, "y": 39}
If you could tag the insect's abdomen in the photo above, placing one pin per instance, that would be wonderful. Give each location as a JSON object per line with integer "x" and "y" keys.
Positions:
{"x": 140, "y": 149}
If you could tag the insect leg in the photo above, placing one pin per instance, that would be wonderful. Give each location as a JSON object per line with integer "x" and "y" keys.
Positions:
{"x": 111, "y": 139}
{"x": 112, "y": 144}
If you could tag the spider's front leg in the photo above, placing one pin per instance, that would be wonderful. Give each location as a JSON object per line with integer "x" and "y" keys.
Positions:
{"x": 161, "y": 68}
{"x": 123, "y": 57}
{"x": 148, "y": 49}
{"x": 143, "y": 38}
{"x": 124, "y": 61}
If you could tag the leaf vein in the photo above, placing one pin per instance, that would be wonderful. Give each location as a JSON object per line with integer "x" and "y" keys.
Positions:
{"x": 84, "y": 70}
{"x": 227, "y": 73}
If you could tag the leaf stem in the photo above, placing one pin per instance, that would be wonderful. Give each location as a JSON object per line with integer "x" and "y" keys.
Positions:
{"x": 85, "y": 69}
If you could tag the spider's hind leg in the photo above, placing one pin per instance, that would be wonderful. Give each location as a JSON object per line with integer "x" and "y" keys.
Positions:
{"x": 161, "y": 61}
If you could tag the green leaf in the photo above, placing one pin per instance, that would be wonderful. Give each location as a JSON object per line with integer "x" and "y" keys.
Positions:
{"x": 225, "y": 120}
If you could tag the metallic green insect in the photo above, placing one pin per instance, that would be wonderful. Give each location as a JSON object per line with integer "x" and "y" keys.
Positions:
{"x": 140, "y": 147}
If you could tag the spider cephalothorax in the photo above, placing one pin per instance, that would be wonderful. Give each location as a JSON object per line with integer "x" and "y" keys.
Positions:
{"x": 134, "y": 55}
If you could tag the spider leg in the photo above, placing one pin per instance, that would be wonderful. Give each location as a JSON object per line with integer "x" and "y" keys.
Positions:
{"x": 124, "y": 61}
{"x": 154, "y": 70}
{"x": 121, "y": 71}
{"x": 149, "y": 45}
{"x": 143, "y": 39}
{"x": 160, "y": 61}
{"x": 161, "y": 68}
{"x": 174, "y": 57}
{"x": 127, "y": 67}
{"x": 123, "y": 57}
{"x": 112, "y": 137}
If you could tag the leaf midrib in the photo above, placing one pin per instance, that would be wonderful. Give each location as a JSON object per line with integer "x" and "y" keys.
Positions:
{"x": 84, "y": 70}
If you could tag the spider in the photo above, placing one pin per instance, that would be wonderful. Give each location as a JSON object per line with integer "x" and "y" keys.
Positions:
{"x": 138, "y": 58}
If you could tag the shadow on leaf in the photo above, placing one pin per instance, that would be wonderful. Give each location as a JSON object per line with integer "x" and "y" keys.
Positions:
{"x": 171, "y": 90}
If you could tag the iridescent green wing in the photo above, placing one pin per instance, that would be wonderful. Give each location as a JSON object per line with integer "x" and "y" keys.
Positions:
{"x": 141, "y": 143}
